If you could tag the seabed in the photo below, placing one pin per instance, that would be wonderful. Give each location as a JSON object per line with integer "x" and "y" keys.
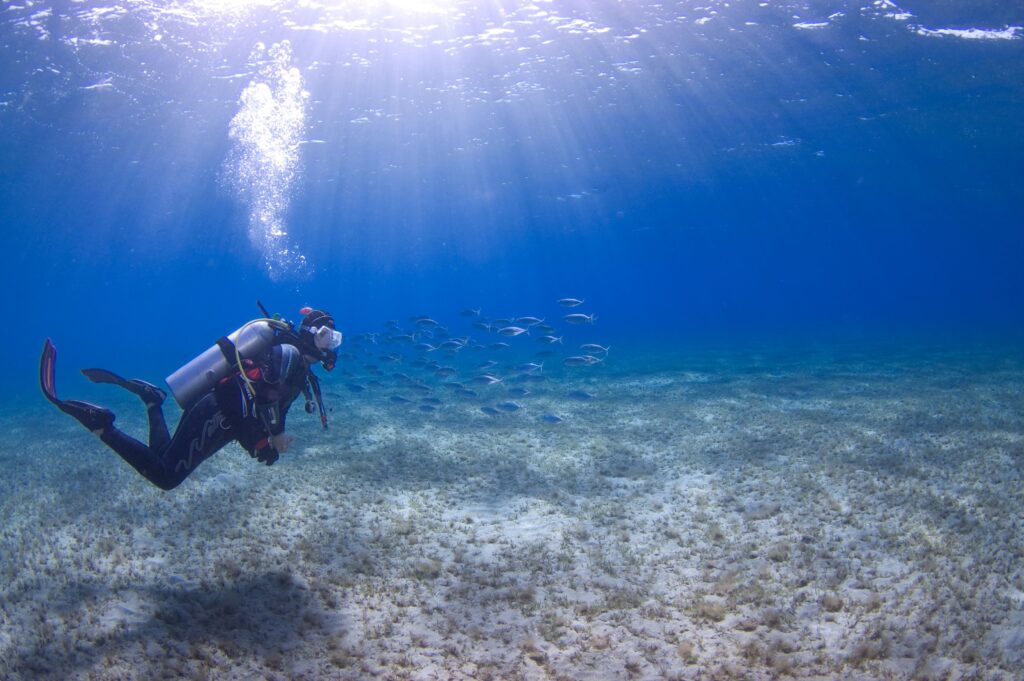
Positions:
{"x": 807, "y": 517}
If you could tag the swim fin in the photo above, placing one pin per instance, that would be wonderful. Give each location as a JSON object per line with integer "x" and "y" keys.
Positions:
{"x": 95, "y": 418}
{"x": 147, "y": 392}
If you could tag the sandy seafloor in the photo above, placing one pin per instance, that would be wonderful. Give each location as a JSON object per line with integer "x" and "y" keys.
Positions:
{"x": 808, "y": 516}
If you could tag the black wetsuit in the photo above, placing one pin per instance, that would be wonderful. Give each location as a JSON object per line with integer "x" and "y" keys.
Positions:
{"x": 230, "y": 412}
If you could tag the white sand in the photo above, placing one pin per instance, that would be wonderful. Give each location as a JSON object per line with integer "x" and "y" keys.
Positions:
{"x": 836, "y": 521}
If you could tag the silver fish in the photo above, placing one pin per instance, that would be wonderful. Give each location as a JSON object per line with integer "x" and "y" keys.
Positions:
{"x": 490, "y": 411}
{"x": 581, "y": 395}
{"x": 398, "y": 399}
{"x": 530, "y": 367}
{"x": 518, "y": 392}
{"x": 509, "y": 406}
{"x": 579, "y": 318}
{"x": 511, "y": 331}
{"x": 469, "y": 312}
{"x": 486, "y": 379}
{"x": 498, "y": 346}
{"x": 551, "y": 418}
{"x": 570, "y": 302}
{"x": 591, "y": 348}
{"x": 581, "y": 361}
{"x": 528, "y": 321}
{"x": 549, "y": 340}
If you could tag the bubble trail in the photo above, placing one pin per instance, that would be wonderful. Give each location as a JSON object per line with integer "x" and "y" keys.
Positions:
{"x": 263, "y": 164}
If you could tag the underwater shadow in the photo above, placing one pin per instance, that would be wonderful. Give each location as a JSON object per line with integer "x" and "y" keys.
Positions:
{"x": 256, "y": 619}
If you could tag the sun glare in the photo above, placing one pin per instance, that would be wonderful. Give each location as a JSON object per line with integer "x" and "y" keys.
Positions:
{"x": 349, "y": 8}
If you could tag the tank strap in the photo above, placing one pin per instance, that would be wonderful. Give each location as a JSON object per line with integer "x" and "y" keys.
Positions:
{"x": 227, "y": 348}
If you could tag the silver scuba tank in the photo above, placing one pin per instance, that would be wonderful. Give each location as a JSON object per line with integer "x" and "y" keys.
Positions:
{"x": 200, "y": 376}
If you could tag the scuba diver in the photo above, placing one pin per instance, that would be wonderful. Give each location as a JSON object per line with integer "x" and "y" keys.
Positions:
{"x": 239, "y": 389}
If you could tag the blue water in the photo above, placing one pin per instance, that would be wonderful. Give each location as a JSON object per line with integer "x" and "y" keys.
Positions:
{"x": 739, "y": 177}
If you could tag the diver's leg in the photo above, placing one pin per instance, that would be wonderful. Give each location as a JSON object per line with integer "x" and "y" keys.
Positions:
{"x": 159, "y": 437}
{"x": 202, "y": 431}
{"x": 152, "y": 396}
{"x": 139, "y": 456}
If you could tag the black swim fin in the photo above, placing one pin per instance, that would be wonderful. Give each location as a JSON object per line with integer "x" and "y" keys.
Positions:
{"x": 147, "y": 392}
{"x": 95, "y": 418}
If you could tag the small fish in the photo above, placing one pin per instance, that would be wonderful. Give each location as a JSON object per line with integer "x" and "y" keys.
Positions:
{"x": 421, "y": 387}
{"x": 581, "y": 361}
{"x": 529, "y": 321}
{"x": 453, "y": 345}
{"x": 399, "y": 376}
{"x": 483, "y": 326}
{"x": 509, "y": 406}
{"x": 579, "y": 318}
{"x": 374, "y": 384}
{"x": 436, "y": 401}
{"x": 545, "y": 328}
{"x": 518, "y": 392}
{"x": 511, "y": 331}
{"x": 502, "y": 322}
{"x": 570, "y": 302}
{"x": 498, "y": 346}
{"x": 405, "y": 338}
{"x": 393, "y": 358}
{"x": 427, "y": 407}
{"x": 486, "y": 379}
{"x": 469, "y": 312}
{"x": 425, "y": 347}
{"x": 466, "y": 392}
{"x": 398, "y": 399}
{"x": 355, "y": 387}
{"x": 490, "y": 411}
{"x": 550, "y": 418}
{"x": 445, "y": 372}
{"x": 591, "y": 348}
{"x": 549, "y": 340}
{"x": 486, "y": 365}
{"x": 530, "y": 367}
{"x": 425, "y": 322}
{"x": 581, "y": 395}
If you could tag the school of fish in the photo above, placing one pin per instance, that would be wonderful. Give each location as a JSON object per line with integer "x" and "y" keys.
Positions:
{"x": 495, "y": 364}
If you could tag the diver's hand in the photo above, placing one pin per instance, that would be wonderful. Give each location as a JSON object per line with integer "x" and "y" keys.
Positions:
{"x": 281, "y": 442}
{"x": 265, "y": 452}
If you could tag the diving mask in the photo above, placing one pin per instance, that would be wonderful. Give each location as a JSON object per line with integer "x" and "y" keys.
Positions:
{"x": 326, "y": 338}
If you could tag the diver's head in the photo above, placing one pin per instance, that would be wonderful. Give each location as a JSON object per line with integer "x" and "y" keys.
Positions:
{"x": 318, "y": 338}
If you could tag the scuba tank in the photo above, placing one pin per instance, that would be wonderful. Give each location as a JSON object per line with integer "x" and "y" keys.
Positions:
{"x": 201, "y": 375}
